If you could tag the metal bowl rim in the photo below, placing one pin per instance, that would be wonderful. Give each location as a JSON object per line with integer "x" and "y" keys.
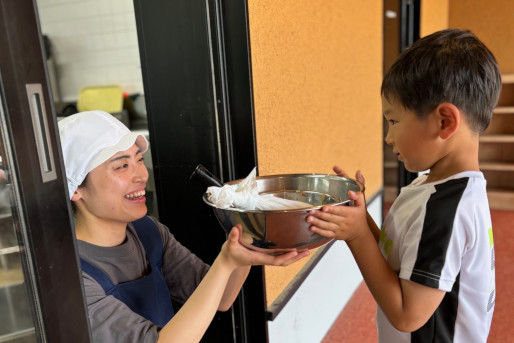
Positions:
{"x": 204, "y": 197}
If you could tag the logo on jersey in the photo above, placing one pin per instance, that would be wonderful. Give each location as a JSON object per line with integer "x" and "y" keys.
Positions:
{"x": 492, "y": 294}
{"x": 385, "y": 243}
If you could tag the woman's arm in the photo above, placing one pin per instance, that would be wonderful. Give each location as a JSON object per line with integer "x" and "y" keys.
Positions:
{"x": 191, "y": 321}
{"x": 235, "y": 282}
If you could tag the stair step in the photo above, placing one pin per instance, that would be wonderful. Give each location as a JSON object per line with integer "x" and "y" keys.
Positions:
{"x": 497, "y": 166}
{"x": 391, "y": 164}
{"x": 390, "y": 193}
{"x": 508, "y": 78}
{"x": 504, "y": 109}
{"x": 497, "y": 139}
{"x": 501, "y": 199}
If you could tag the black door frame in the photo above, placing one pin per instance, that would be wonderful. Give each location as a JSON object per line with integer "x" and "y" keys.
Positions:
{"x": 410, "y": 11}
{"x": 44, "y": 229}
{"x": 195, "y": 60}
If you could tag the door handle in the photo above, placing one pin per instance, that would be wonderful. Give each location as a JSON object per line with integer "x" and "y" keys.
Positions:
{"x": 41, "y": 134}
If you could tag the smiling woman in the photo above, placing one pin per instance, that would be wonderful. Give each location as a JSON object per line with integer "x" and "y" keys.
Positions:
{"x": 115, "y": 191}
{"x": 132, "y": 266}
{"x": 113, "y": 165}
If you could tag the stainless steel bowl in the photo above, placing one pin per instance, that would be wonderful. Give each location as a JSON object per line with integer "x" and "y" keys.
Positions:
{"x": 281, "y": 231}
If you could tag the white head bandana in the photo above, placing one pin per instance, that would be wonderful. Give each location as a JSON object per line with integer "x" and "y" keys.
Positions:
{"x": 88, "y": 139}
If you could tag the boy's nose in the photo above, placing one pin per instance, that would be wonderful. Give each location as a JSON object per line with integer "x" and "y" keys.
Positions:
{"x": 388, "y": 139}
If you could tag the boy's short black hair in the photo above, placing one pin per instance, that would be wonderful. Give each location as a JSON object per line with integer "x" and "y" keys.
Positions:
{"x": 447, "y": 66}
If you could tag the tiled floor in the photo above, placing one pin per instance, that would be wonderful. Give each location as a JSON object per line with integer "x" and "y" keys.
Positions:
{"x": 356, "y": 323}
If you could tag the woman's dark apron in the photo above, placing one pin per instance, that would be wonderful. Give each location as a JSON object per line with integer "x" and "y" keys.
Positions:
{"x": 147, "y": 296}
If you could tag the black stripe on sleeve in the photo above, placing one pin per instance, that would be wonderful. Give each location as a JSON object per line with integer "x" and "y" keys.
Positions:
{"x": 441, "y": 325}
{"x": 437, "y": 231}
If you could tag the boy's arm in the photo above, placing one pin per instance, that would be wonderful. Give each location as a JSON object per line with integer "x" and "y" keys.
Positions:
{"x": 407, "y": 305}
{"x": 373, "y": 228}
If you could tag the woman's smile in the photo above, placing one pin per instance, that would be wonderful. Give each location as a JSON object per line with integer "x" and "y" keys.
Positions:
{"x": 136, "y": 197}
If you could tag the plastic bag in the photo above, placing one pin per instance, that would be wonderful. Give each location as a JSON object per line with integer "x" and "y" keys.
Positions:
{"x": 245, "y": 196}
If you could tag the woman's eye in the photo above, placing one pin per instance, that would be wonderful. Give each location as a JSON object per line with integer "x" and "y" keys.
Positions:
{"x": 124, "y": 165}
{"x": 141, "y": 159}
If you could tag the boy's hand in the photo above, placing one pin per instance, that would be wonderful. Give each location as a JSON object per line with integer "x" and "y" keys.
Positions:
{"x": 341, "y": 222}
{"x": 238, "y": 256}
{"x": 359, "y": 178}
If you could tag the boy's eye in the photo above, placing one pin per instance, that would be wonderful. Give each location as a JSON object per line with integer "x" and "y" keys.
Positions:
{"x": 392, "y": 121}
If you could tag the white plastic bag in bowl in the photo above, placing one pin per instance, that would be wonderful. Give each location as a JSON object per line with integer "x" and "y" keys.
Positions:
{"x": 244, "y": 196}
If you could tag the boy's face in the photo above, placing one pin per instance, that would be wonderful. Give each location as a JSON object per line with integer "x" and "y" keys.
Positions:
{"x": 114, "y": 191}
{"x": 413, "y": 140}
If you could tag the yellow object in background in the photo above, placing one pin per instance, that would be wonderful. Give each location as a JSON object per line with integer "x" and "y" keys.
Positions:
{"x": 103, "y": 98}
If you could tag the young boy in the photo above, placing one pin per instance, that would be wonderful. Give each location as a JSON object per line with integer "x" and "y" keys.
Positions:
{"x": 432, "y": 271}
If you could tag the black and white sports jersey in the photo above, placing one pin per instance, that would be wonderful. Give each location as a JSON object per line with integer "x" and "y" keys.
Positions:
{"x": 440, "y": 235}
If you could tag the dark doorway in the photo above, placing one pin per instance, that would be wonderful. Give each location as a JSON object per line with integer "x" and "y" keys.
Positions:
{"x": 401, "y": 29}
{"x": 196, "y": 73}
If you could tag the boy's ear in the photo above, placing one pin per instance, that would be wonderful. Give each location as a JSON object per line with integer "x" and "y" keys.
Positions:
{"x": 449, "y": 118}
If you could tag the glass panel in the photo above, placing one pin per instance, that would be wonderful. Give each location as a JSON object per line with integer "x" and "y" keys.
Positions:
{"x": 92, "y": 58}
{"x": 16, "y": 320}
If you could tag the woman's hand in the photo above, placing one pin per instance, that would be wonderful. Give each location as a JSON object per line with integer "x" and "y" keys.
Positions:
{"x": 236, "y": 255}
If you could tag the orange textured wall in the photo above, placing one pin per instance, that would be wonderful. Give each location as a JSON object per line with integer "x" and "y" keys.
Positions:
{"x": 492, "y": 21}
{"x": 317, "y": 69}
{"x": 434, "y": 16}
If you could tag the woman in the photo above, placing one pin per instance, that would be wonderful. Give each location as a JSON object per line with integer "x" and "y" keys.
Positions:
{"x": 131, "y": 264}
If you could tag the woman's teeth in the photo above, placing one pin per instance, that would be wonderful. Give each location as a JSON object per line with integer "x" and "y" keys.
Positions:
{"x": 135, "y": 195}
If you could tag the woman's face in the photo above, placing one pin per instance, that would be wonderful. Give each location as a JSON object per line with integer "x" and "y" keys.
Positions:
{"x": 115, "y": 190}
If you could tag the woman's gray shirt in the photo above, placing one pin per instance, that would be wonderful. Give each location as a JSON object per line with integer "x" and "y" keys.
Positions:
{"x": 110, "y": 319}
